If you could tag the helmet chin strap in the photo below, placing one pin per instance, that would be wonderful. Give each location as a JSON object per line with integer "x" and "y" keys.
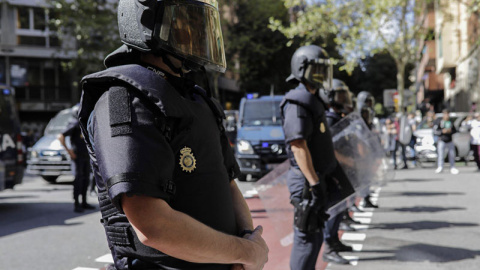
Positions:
{"x": 168, "y": 62}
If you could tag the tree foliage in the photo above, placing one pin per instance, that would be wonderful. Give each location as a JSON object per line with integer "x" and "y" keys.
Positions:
{"x": 262, "y": 55}
{"x": 362, "y": 28}
{"x": 88, "y": 28}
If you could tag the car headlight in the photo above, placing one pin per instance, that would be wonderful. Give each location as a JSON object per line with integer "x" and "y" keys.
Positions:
{"x": 34, "y": 154}
{"x": 244, "y": 147}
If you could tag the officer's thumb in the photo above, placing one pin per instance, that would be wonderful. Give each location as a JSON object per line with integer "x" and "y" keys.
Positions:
{"x": 258, "y": 229}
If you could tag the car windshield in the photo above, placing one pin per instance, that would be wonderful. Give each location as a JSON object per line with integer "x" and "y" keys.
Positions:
{"x": 262, "y": 113}
{"x": 58, "y": 123}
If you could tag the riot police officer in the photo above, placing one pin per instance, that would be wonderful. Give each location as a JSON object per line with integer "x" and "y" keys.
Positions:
{"x": 365, "y": 103}
{"x": 162, "y": 163}
{"x": 310, "y": 151}
{"x": 339, "y": 100}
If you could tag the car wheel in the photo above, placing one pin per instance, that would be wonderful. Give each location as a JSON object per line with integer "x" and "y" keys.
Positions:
{"x": 50, "y": 179}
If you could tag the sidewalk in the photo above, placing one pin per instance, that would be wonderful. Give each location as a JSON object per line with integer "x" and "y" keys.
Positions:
{"x": 425, "y": 221}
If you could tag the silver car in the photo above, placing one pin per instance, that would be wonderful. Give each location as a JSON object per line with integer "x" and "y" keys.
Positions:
{"x": 47, "y": 157}
{"x": 426, "y": 145}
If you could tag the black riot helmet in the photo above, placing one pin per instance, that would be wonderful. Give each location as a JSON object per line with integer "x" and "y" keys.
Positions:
{"x": 340, "y": 97}
{"x": 189, "y": 30}
{"x": 311, "y": 64}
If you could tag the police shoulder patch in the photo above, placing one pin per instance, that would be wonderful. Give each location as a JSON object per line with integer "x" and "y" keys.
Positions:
{"x": 187, "y": 160}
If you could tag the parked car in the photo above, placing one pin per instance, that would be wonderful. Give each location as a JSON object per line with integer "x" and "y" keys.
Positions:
{"x": 260, "y": 143}
{"x": 426, "y": 146}
{"x": 47, "y": 157}
{"x": 12, "y": 162}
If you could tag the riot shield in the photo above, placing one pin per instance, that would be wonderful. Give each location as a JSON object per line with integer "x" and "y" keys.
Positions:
{"x": 405, "y": 134}
{"x": 273, "y": 191}
{"x": 360, "y": 153}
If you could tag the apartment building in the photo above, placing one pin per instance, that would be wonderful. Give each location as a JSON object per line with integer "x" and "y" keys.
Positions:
{"x": 457, "y": 53}
{"x": 30, "y": 61}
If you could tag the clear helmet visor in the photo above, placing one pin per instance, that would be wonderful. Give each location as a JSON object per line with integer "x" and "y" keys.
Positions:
{"x": 192, "y": 30}
{"x": 319, "y": 73}
{"x": 343, "y": 99}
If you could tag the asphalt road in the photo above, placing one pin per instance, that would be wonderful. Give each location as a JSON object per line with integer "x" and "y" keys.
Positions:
{"x": 425, "y": 221}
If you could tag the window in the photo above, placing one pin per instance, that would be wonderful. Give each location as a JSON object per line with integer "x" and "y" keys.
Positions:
{"x": 33, "y": 28}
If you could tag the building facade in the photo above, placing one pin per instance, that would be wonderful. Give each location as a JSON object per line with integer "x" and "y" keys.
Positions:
{"x": 31, "y": 59}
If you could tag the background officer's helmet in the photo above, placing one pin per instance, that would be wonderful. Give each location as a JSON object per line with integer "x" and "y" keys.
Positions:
{"x": 364, "y": 98}
{"x": 187, "y": 29}
{"x": 340, "y": 97}
{"x": 311, "y": 64}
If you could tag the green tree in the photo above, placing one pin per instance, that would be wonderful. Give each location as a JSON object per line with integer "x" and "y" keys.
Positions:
{"x": 362, "y": 28}
{"x": 262, "y": 55}
{"x": 88, "y": 28}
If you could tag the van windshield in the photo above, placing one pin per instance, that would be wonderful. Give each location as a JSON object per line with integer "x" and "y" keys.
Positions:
{"x": 262, "y": 113}
{"x": 58, "y": 123}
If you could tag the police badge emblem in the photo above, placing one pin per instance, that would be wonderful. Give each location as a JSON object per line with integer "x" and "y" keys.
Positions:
{"x": 187, "y": 160}
{"x": 322, "y": 127}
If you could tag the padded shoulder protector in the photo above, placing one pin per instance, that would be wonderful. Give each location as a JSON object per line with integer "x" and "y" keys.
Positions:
{"x": 138, "y": 78}
{"x": 302, "y": 97}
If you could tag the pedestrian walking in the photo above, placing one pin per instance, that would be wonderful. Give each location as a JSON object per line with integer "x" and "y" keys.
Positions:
{"x": 444, "y": 129}
{"x": 163, "y": 166}
{"x": 475, "y": 138}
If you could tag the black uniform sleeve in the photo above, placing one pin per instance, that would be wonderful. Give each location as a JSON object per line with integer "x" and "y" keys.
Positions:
{"x": 139, "y": 162}
{"x": 298, "y": 123}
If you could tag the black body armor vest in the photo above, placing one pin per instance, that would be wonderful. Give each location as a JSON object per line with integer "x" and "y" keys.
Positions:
{"x": 183, "y": 122}
{"x": 320, "y": 141}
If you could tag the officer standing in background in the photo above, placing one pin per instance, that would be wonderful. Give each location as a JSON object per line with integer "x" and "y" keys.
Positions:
{"x": 163, "y": 166}
{"x": 79, "y": 155}
{"x": 310, "y": 151}
{"x": 340, "y": 103}
{"x": 365, "y": 103}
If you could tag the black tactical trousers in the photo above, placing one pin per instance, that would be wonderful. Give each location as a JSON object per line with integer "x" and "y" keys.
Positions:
{"x": 82, "y": 179}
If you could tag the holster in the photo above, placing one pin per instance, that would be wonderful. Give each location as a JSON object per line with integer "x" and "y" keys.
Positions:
{"x": 309, "y": 215}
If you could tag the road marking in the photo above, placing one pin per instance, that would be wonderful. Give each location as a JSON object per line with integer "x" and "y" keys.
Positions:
{"x": 364, "y": 220}
{"x": 357, "y": 247}
{"x": 354, "y": 236}
{"x": 353, "y": 259}
{"x": 107, "y": 258}
{"x": 85, "y": 268}
{"x": 360, "y": 226}
{"x": 363, "y": 214}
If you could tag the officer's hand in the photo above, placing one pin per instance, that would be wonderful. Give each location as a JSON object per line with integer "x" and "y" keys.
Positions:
{"x": 260, "y": 251}
{"x": 72, "y": 154}
{"x": 319, "y": 198}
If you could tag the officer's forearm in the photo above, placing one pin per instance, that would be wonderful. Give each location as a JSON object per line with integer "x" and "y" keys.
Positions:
{"x": 180, "y": 236}
{"x": 242, "y": 212}
{"x": 61, "y": 139}
{"x": 304, "y": 160}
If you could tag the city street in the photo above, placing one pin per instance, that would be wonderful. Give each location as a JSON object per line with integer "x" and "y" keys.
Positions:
{"x": 425, "y": 221}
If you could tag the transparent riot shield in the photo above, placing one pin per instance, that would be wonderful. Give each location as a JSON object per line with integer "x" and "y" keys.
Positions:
{"x": 273, "y": 191}
{"x": 360, "y": 153}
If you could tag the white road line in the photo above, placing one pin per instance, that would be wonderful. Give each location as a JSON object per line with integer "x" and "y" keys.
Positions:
{"x": 357, "y": 247}
{"x": 107, "y": 258}
{"x": 354, "y": 236}
{"x": 364, "y": 220}
{"x": 360, "y": 226}
{"x": 85, "y": 268}
{"x": 353, "y": 259}
{"x": 363, "y": 214}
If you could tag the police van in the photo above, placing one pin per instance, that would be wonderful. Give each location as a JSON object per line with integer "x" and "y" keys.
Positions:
{"x": 12, "y": 162}
{"x": 260, "y": 142}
